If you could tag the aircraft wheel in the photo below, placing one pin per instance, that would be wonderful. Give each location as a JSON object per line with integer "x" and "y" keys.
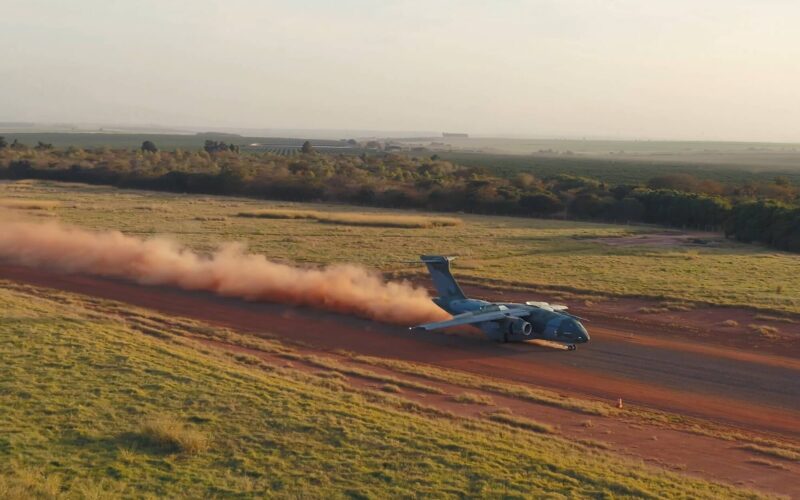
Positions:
{"x": 571, "y": 347}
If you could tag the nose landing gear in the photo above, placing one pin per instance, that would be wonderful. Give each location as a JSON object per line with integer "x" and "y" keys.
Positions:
{"x": 571, "y": 347}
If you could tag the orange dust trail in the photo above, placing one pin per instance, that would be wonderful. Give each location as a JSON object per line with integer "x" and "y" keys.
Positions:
{"x": 230, "y": 271}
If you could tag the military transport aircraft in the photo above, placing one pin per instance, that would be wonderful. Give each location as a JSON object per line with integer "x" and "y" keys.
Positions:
{"x": 500, "y": 321}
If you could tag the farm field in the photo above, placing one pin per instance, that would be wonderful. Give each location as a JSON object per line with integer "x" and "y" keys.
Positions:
{"x": 736, "y": 168}
{"x": 549, "y": 255}
{"x": 279, "y": 145}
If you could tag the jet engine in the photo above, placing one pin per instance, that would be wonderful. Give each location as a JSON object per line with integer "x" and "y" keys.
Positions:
{"x": 518, "y": 326}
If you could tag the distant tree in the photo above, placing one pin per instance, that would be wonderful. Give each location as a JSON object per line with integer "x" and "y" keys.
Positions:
{"x": 307, "y": 148}
{"x": 3, "y": 143}
{"x": 541, "y": 203}
{"x": 18, "y": 145}
{"x": 43, "y": 146}
{"x": 434, "y": 157}
{"x": 524, "y": 180}
{"x": 219, "y": 147}
{"x": 352, "y": 142}
{"x": 149, "y": 147}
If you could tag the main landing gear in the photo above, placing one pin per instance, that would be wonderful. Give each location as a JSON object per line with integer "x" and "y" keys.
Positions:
{"x": 571, "y": 347}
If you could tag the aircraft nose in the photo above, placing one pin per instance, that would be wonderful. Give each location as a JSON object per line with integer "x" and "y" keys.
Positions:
{"x": 585, "y": 337}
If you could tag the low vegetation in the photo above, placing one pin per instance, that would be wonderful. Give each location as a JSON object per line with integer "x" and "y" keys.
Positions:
{"x": 780, "y": 319}
{"x": 81, "y": 387}
{"x": 772, "y": 451}
{"x": 768, "y": 463}
{"x": 522, "y": 422}
{"x": 766, "y": 331}
{"x": 475, "y": 399}
{"x": 355, "y": 219}
{"x": 171, "y": 434}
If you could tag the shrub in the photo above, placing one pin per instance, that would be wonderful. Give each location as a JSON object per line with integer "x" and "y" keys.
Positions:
{"x": 478, "y": 399}
{"x": 767, "y": 331}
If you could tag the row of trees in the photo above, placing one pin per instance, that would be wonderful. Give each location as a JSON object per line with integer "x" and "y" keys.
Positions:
{"x": 399, "y": 181}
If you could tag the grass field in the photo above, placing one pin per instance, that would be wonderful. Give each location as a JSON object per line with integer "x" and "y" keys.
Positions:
{"x": 541, "y": 253}
{"x": 95, "y": 408}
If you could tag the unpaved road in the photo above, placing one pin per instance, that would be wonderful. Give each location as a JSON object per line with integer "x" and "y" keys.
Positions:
{"x": 755, "y": 391}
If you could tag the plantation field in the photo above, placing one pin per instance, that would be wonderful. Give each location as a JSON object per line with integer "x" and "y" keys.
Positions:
{"x": 190, "y": 142}
{"x": 551, "y": 254}
{"x": 101, "y": 401}
{"x": 735, "y": 168}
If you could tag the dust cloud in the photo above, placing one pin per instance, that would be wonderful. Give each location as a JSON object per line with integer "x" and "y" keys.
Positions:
{"x": 229, "y": 272}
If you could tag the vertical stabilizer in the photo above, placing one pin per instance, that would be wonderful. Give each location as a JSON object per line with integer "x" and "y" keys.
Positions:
{"x": 443, "y": 281}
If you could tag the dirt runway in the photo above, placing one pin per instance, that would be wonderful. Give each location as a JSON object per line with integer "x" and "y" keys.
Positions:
{"x": 756, "y": 391}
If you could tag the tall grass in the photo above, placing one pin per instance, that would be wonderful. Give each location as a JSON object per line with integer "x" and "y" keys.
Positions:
{"x": 170, "y": 433}
{"x": 355, "y": 219}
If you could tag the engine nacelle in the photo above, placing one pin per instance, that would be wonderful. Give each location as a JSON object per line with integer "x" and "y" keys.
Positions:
{"x": 518, "y": 326}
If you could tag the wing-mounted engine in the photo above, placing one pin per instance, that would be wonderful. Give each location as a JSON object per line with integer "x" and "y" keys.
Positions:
{"x": 518, "y": 326}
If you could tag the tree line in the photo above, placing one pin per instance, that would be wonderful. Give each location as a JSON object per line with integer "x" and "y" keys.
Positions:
{"x": 765, "y": 212}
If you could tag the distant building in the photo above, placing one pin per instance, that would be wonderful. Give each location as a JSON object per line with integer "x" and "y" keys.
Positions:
{"x": 454, "y": 134}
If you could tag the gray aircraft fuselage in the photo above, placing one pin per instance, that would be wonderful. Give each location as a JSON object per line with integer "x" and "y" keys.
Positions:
{"x": 501, "y": 321}
{"x": 544, "y": 324}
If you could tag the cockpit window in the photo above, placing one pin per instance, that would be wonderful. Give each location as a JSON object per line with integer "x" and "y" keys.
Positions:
{"x": 572, "y": 328}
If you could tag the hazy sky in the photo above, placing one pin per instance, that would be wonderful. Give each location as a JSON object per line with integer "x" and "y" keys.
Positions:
{"x": 697, "y": 69}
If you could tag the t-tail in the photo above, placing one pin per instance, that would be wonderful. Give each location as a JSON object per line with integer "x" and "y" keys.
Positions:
{"x": 443, "y": 281}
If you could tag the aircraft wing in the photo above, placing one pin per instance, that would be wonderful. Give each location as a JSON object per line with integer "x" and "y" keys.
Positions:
{"x": 474, "y": 317}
